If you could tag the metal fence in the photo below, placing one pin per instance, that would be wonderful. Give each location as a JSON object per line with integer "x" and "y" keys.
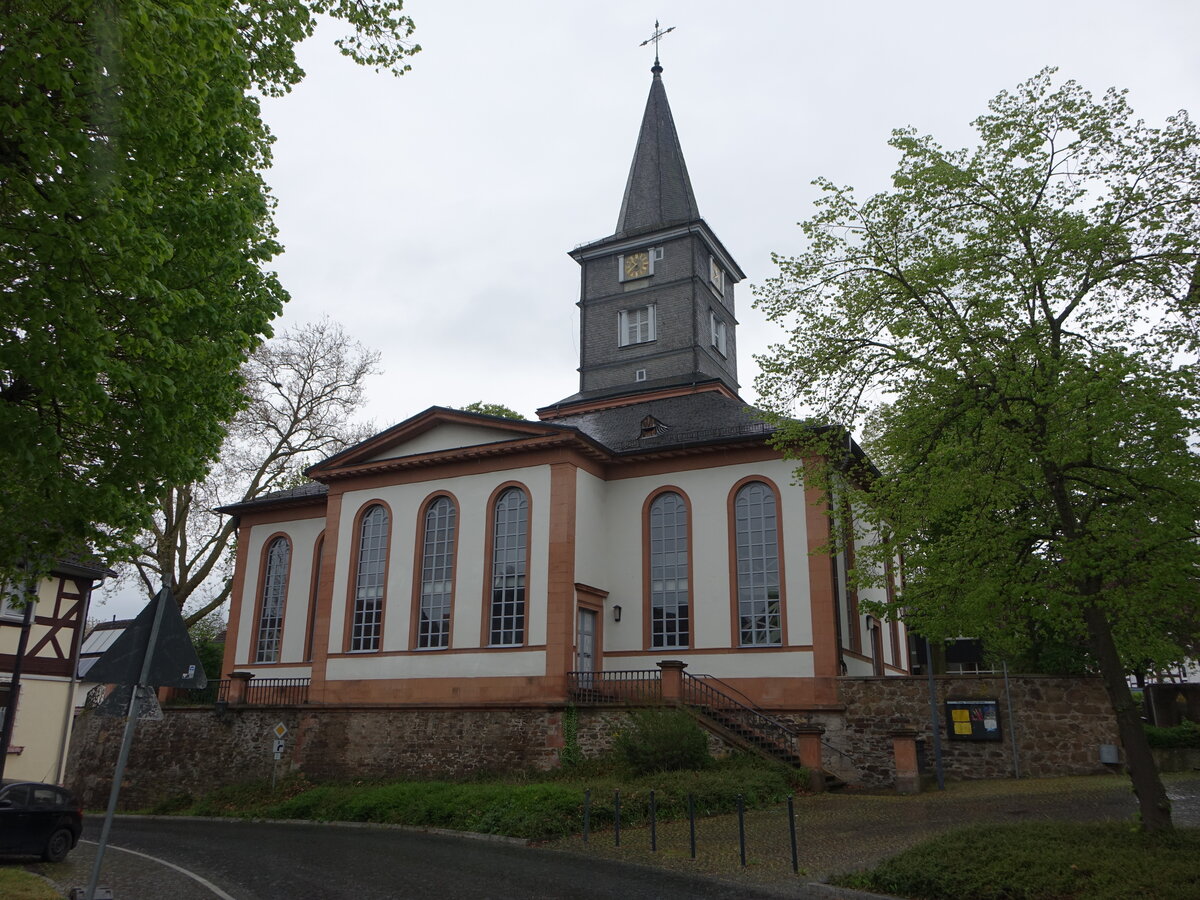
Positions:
{"x": 277, "y": 691}
{"x": 626, "y": 686}
{"x": 217, "y": 690}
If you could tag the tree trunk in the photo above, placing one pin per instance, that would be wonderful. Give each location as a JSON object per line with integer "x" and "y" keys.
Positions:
{"x": 1153, "y": 804}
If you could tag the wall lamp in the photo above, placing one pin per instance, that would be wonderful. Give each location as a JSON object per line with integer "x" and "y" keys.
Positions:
{"x": 616, "y": 612}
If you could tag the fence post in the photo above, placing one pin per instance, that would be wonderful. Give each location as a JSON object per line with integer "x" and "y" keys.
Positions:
{"x": 692, "y": 822}
{"x": 808, "y": 748}
{"x": 587, "y": 814}
{"x": 792, "y": 834}
{"x": 904, "y": 752}
{"x": 742, "y": 829}
{"x": 617, "y": 818}
{"x": 672, "y": 679}
{"x": 239, "y": 684}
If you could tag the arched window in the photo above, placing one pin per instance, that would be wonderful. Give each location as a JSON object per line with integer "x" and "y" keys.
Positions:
{"x": 669, "y": 588}
{"x": 274, "y": 587}
{"x": 510, "y": 552}
{"x": 437, "y": 574}
{"x": 368, "y": 584}
{"x": 756, "y": 530}
{"x": 314, "y": 594}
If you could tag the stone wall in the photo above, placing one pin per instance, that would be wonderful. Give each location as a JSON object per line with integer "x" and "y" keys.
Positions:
{"x": 193, "y": 750}
{"x": 1059, "y": 725}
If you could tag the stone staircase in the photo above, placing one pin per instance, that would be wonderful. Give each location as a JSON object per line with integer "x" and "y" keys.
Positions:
{"x": 740, "y": 723}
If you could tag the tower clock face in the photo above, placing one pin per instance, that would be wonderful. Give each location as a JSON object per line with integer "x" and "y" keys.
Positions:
{"x": 637, "y": 265}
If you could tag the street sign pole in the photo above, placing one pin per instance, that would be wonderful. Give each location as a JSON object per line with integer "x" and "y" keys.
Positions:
{"x": 164, "y": 596}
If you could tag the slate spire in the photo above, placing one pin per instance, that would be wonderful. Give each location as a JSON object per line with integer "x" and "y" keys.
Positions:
{"x": 659, "y": 191}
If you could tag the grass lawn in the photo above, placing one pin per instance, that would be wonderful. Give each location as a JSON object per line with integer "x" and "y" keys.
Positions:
{"x": 17, "y": 884}
{"x": 1043, "y": 861}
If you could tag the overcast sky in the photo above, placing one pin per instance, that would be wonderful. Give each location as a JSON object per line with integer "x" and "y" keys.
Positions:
{"x": 432, "y": 214}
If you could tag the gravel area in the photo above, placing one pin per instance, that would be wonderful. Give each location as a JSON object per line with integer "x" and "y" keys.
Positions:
{"x": 848, "y": 830}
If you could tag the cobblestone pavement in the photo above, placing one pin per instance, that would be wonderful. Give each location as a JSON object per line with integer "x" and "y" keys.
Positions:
{"x": 849, "y": 830}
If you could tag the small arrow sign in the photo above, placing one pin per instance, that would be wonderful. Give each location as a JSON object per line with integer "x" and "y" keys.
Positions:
{"x": 280, "y": 730}
{"x": 278, "y": 748}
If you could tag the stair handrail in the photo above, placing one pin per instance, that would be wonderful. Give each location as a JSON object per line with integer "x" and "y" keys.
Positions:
{"x": 729, "y": 687}
{"x": 696, "y": 689}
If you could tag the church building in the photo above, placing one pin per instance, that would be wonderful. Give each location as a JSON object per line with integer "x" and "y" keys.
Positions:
{"x": 459, "y": 559}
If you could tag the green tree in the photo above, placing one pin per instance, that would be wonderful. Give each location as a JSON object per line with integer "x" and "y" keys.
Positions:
{"x": 1014, "y": 326}
{"x": 492, "y": 409}
{"x": 304, "y": 388}
{"x": 134, "y": 232}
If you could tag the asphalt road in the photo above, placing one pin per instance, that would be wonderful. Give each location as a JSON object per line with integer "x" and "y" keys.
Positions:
{"x": 269, "y": 861}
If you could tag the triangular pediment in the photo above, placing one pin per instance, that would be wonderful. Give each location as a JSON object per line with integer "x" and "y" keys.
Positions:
{"x": 436, "y": 430}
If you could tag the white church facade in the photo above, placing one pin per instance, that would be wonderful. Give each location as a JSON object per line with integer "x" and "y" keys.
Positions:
{"x": 459, "y": 559}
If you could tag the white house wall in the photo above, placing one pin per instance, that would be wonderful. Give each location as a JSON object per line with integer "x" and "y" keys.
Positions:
{"x": 407, "y": 501}
{"x": 620, "y": 572}
{"x": 303, "y": 534}
{"x": 448, "y": 436}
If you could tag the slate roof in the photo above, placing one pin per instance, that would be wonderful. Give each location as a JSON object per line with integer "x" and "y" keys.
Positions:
{"x": 629, "y": 390}
{"x": 659, "y": 191}
{"x": 707, "y": 417}
{"x": 310, "y": 490}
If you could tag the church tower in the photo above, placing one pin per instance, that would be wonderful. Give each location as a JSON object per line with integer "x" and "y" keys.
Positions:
{"x": 656, "y": 296}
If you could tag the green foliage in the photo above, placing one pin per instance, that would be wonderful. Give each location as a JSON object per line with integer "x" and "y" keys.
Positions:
{"x": 662, "y": 740}
{"x": 492, "y": 409}
{"x": 1185, "y": 735}
{"x": 1014, "y": 327}
{"x": 571, "y": 754}
{"x": 535, "y": 810}
{"x": 1043, "y": 861}
{"x": 136, "y": 229}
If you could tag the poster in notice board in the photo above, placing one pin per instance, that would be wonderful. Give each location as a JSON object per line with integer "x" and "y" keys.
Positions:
{"x": 973, "y": 720}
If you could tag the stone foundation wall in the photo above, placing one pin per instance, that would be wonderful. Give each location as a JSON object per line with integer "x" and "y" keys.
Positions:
{"x": 1059, "y": 725}
{"x": 193, "y": 750}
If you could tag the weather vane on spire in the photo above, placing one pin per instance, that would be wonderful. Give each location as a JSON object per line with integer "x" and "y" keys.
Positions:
{"x": 656, "y": 37}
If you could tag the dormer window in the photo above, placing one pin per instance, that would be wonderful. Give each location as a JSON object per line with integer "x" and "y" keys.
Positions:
{"x": 635, "y": 326}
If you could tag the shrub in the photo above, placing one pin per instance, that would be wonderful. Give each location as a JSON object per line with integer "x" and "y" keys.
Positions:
{"x": 662, "y": 740}
{"x": 1184, "y": 735}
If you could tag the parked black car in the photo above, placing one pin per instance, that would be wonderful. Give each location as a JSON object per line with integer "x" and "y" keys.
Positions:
{"x": 39, "y": 819}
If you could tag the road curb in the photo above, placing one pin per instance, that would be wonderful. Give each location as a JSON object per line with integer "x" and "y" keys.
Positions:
{"x": 390, "y": 826}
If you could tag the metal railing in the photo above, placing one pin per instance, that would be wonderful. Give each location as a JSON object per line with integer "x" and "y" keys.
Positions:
{"x": 698, "y": 691}
{"x": 277, "y": 691}
{"x": 217, "y": 690}
{"x": 625, "y": 686}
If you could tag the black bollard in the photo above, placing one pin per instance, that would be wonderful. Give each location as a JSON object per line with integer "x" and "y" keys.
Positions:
{"x": 653, "y": 824}
{"x": 742, "y": 829}
{"x": 692, "y": 821}
{"x": 792, "y": 832}
{"x": 587, "y": 815}
{"x": 617, "y": 818}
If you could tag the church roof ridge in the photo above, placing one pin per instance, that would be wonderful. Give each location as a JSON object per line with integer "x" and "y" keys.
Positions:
{"x": 658, "y": 190}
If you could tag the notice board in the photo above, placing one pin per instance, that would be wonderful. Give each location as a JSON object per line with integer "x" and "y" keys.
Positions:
{"x": 973, "y": 720}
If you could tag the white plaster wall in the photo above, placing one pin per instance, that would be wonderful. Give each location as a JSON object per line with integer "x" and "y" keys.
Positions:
{"x": 592, "y": 558}
{"x": 10, "y": 632}
{"x": 783, "y": 663}
{"x": 435, "y": 664}
{"x": 38, "y": 728}
{"x": 407, "y": 502}
{"x": 448, "y": 437}
{"x": 708, "y": 493}
{"x": 303, "y": 535}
